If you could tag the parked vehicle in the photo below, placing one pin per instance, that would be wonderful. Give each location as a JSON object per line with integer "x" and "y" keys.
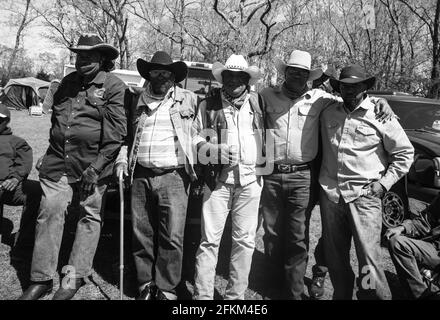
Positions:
{"x": 420, "y": 117}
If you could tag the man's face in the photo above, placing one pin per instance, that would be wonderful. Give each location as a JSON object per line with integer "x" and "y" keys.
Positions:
{"x": 296, "y": 78}
{"x": 350, "y": 91}
{"x": 88, "y": 62}
{"x": 235, "y": 82}
{"x": 161, "y": 81}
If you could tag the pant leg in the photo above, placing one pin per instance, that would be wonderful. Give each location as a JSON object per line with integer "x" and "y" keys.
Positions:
{"x": 336, "y": 236}
{"x": 320, "y": 267}
{"x": 144, "y": 222}
{"x": 29, "y": 194}
{"x": 215, "y": 210}
{"x": 272, "y": 210}
{"x": 365, "y": 215}
{"x": 407, "y": 254}
{"x": 88, "y": 231}
{"x": 244, "y": 214}
{"x": 49, "y": 229}
{"x": 297, "y": 217}
{"x": 172, "y": 194}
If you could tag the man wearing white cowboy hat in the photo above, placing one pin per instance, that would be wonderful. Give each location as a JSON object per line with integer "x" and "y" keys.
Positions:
{"x": 362, "y": 159}
{"x": 290, "y": 192}
{"x": 230, "y": 126}
{"x": 158, "y": 157}
{"x": 88, "y": 129}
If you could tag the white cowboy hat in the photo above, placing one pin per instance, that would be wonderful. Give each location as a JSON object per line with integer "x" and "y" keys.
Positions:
{"x": 298, "y": 59}
{"x": 236, "y": 63}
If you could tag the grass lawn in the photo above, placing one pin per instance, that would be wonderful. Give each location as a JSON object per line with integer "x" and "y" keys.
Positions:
{"x": 105, "y": 277}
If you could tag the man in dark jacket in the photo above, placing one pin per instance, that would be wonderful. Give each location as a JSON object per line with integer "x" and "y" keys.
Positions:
{"x": 15, "y": 189}
{"x": 414, "y": 244}
{"x": 88, "y": 128}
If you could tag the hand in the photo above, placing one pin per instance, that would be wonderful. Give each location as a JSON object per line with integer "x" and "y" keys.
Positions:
{"x": 39, "y": 162}
{"x": 9, "y": 184}
{"x": 121, "y": 167}
{"x": 375, "y": 189}
{"x": 394, "y": 232}
{"x": 89, "y": 181}
{"x": 383, "y": 111}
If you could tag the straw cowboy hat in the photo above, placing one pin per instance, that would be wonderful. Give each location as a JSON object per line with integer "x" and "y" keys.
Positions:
{"x": 236, "y": 63}
{"x": 352, "y": 74}
{"x": 93, "y": 42}
{"x": 298, "y": 59}
{"x": 162, "y": 61}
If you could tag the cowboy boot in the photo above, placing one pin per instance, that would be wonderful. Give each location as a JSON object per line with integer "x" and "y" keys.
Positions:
{"x": 67, "y": 292}
{"x": 37, "y": 290}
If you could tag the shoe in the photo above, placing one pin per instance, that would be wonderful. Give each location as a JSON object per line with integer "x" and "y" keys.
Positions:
{"x": 148, "y": 293}
{"x": 317, "y": 289}
{"x": 37, "y": 290}
{"x": 67, "y": 291}
{"x": 160, "y": 295}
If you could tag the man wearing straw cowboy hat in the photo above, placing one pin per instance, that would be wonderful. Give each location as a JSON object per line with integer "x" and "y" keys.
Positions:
{"x": 88, "y": 129}
{"x": 290, "y": 192}
{"x": 229, "y": 127}
{"x": 362, "y": 159}
{"x": 158, "y": 157}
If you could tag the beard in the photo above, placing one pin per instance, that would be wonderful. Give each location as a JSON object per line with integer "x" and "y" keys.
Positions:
{"x": 161, "y": 86}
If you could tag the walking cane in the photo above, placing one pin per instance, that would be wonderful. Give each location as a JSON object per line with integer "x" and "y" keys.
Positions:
{"x": 121, "y": 236}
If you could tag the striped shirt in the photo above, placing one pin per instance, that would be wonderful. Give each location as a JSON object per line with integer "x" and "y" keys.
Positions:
{"x": 159, "y": 146}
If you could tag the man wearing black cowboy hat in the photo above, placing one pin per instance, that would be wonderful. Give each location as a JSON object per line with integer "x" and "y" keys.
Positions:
{"x": 88, "y": 128}
{"x": 362, "y": 159}
{"x": 158, "y": 158}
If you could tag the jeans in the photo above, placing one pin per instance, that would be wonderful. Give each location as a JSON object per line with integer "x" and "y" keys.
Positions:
{"x": 362, "y": 221}
{"x": 407, "y": 255}
{"x": 57, "y": 197}
{"x": 286, "y": 205}
{"x": 28, "y": 195}
{"x": 158, "y": 204}
{"x": 242, "y": 204}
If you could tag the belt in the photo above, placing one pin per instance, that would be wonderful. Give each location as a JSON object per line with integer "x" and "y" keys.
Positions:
{"x": 156, "y": 171}
{"x": 290, "y": 168}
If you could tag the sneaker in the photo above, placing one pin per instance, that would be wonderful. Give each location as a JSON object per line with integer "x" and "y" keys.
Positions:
{"x": 317, "y": 289}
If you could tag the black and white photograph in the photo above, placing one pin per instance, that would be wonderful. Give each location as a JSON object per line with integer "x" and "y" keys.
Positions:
{"x": 245, "y": 150}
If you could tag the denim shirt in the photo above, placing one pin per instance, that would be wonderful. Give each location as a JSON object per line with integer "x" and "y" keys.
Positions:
{"x": 182, "y": 114}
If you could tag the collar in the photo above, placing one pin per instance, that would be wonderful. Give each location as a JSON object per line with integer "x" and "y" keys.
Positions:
{"x": 279, "y": 90}
{"x": 366, "y": 104}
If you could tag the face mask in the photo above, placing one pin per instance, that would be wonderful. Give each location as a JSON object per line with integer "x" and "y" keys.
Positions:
{"x": 88, "y": 70}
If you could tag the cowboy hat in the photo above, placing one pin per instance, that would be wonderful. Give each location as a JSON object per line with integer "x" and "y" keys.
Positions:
{"x": 162, "y": 61}
{"x": 298, "y": 59}
{"x": 352, "y": 74}
{"x": 236, "y": 63}
{"x": 89, "y": 42}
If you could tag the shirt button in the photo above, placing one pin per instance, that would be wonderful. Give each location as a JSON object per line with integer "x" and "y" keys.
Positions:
{"x": 67, "y": 141}
{"x": 68, "y": 127}
{"x": 67, "y": 156}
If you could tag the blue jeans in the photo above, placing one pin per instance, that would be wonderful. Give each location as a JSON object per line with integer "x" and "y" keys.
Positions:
{"x": 286, "y": 204}
{"x": 360, "y": 220}
{"x": 158, "y": 204}
{"x": 57, "y": 196}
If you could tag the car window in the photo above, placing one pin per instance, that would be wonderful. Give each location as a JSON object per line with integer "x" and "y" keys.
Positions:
{"x": 199, "y": 81}
{"x": 415, "y": 115}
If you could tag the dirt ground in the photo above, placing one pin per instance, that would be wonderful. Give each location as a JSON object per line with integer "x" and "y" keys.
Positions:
{"x": 104, "y": 281}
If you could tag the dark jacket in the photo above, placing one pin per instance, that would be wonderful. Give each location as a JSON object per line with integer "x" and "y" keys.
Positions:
{"x": 15, "y": 156}
{"x": 88, "y": 128}
{"x": 426, "y": 226}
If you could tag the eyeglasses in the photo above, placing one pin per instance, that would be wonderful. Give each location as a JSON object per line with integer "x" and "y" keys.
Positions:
{"x": 163, "y": 73}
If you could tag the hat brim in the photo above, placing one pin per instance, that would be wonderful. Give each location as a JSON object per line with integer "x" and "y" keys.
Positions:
{"x": 253, "y": 71}
{"x": 336, "y": 83}
{"x": 111, "y": 52}
{"x": 281, "y": 66}
{"x": 179, "y": 68}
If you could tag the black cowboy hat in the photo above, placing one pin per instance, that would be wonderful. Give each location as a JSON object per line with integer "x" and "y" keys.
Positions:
{"x": 89, "y": 42}
{"x": 352, "y": 74}
{"x": 162, "y": 61}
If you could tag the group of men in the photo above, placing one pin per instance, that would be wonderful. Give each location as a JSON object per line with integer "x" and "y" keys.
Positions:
{"x": 270, "y": 154}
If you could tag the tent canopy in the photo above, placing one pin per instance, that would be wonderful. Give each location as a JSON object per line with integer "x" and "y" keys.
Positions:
{"x": 25, "y": 92}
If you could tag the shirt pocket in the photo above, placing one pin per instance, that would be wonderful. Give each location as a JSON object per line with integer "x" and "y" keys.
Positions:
{"x": 365, "y": 135}
{"x": 98, "y": 104}
{"x": 307, "y": 117}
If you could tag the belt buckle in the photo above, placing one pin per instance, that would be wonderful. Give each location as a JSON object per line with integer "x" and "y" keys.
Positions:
{"x": 284, "y": 168}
